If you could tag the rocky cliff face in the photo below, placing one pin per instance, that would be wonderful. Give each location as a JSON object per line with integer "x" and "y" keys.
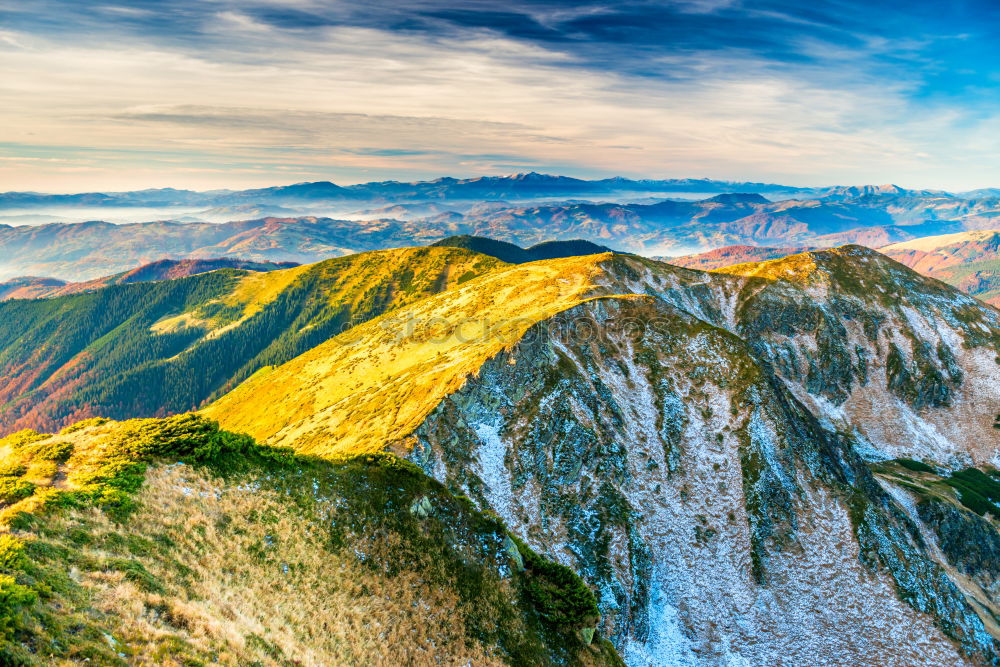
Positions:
{"x": 716, "y": 516}
{"x": 712, "y": 452}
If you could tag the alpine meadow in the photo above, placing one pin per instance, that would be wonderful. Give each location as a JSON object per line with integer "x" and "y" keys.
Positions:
{"x": 657, "y": 333}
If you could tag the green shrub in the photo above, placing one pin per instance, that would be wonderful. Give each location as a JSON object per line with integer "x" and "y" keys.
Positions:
{"x": 915, "y": 466}
{"x": 135, "y": 572}
{"x": 22, "y": 438}
{"x": 11, "y": 553}
{"x": 13, "y": 490}
{"x": 53, "y": 451}
{"x": 561, "y": 598}
{"x": 976, "y": 490}
{"x": 13, "y": 470}
{"x": 13, "y": 598}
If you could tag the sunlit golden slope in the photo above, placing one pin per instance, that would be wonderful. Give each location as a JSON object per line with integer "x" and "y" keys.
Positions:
{"x": 391, "y": 278}
{"x": 370, "y": 388}
{"x": 374, "y": 384}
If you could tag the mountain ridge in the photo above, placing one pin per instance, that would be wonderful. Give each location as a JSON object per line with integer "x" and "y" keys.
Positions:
{"x": 164, "y": 269}
{"x": 714, "y": 431}
{"x": 82, "y": 251}
{"x": 154, "y": 348}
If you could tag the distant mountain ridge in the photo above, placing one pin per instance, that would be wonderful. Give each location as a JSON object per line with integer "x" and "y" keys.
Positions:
{"x": 514, "y": 254}
{"x": 514, "y": 209}
{"x": 529, "y": 185}
{"x": 164, "y": 269}
{"x": 968, "y": 260}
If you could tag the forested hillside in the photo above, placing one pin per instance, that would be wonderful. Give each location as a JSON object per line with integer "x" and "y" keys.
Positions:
{"x": 164, "y": 269}
{"x": 151, "y": 349}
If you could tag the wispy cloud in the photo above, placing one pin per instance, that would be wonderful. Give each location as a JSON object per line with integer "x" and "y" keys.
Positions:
{"x": 805, "y": 93}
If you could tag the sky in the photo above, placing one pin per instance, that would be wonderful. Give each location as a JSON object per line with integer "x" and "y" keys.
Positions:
{"x": 209, "y": 94}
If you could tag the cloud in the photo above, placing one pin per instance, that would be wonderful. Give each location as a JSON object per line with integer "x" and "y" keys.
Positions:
{"x": 768, "y": 90}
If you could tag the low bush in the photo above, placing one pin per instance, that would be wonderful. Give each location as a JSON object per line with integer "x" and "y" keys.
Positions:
{"x": 915, "y": 466}
{"x": 13, "y": 490}
{"x": 52, "y": 451}
{"x": 977, "y": 491}
{"x": 561, "y": 598}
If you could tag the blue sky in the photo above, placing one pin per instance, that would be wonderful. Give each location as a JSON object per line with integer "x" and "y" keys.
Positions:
{"x": 226, "y": 93}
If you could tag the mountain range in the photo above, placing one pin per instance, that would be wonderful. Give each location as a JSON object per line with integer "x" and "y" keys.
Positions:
{"x": 516, "y": 186}
{"x": 474, "y": 421}
{"x": 524, "y": 185}
{"x": 85, "y": 251}
{"x": 579, "y": 460}
{"x": 739, "y": 462}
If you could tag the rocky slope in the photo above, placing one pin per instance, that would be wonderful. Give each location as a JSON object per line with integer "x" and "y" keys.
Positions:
{"x": 968, "y": 260}
{"x": 711, "y": 452}
{"x": 156, "y": 348}
{"x": 170, "y": 542}
{"x": 164, "y": 269}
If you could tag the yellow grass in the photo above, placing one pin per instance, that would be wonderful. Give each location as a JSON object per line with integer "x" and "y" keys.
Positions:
{"x": 373, "y": 385}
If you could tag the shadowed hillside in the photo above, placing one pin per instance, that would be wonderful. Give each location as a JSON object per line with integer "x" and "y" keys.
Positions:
{"x": 512, "y": 254}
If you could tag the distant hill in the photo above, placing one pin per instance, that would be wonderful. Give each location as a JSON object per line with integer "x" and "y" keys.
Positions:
{"x": 888, "y": 189}
{"x": 84, "y": 251}
{"x": 29, "y": 287}
{"x": 967, "y": 260}
{"x": 164, "y": 269}
{"x": 513, "y": 254}
{"x": 729, "y": 255}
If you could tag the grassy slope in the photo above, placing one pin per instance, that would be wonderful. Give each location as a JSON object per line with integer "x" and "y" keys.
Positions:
{"x": 167, "y": 541}
{"x": 970, "y": 542}
{"x": 159, "y": 348}
{"x": 967, "y": 260}
{"x": 373, "y": 385}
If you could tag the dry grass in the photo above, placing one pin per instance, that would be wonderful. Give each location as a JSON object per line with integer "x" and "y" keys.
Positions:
{"x": 793, "y": 268}
{"x": 249, "y": 580}
{"x": 254, "y": 557}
